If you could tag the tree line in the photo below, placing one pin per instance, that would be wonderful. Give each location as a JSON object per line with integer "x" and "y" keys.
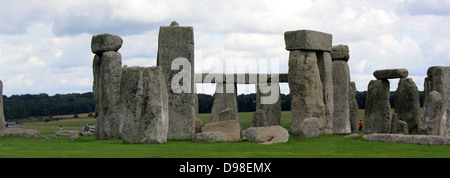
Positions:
{"x": 40, "y": 105}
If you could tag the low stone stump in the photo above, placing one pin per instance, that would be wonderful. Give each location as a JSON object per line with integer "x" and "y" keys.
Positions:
{"x": 411, "y": 139}
{"x": 210, "y": 137}
{"x": 268, "y": 135}
{"x": 21, "y": 132}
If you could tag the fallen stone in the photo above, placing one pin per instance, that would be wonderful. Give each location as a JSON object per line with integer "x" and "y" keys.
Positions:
{"x": 268, "y": 135}
{"x": 390, "y": 73}
{"x": 378, "y": 109}
{"x": 340, "y": 52}
{"x": 74, "y": 137}
{"x": 309, "y": 128}
{"x": 407, "y": 104}
{"x": 21, "y": 132}
{"x": 143, "y": 105}
{"x": 67, "y": 132}
{"x": 305, "y": 89}
{"x": 433, "y": 120}
{"x": 258, "y": 119}
{"x": 353, "y": 135}
{"x": 198, "y": 125}
{"x": 308, "y": 40}
{"x": 210, "y": 137}
{"x": 105, "y": 42}
{"x": 231, "y": 129}
{"x": 410, "y": 139}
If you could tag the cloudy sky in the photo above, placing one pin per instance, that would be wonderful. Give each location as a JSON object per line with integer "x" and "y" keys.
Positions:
{"x": 45, "y": 44}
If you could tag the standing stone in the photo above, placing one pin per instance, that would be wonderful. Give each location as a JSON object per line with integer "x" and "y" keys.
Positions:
{"x": 272, "y": 112}
{"x": 354, "y": 108}
{"x": 324, "y": 61}
{"x": 306, "y": 89}
{"x": 143, "y": 104}
{"x": 439, "y": 80}
{"x": 378, "y": 110}
{"x": 177, "y": 42}
{"x": 2, "y": 115}
{"x": 341, "y": 80}
{"x": 223, "y": 101}
{"x": 433, "y": 120}
{"x": 259, "y": 119}
{"x": 107, "y": 91}
{"x": 398, "y": 126}
{"x": 407, "y": 105}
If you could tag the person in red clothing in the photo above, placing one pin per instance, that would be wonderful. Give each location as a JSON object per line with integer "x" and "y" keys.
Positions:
{"x": 360, "y": 126}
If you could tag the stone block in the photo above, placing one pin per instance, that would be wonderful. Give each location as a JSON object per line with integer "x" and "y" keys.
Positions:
{"x": 308, "y": 40}
{"x": 105, "y": 42}
{"x": 390, "y": 73}
{"x": 340, "y": 52}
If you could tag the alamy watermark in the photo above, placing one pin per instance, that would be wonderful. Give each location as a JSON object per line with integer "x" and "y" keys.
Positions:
{"x": 243, "y": 71}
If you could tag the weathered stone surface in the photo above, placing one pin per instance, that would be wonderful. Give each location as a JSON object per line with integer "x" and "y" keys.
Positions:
{"x": 268, "y": 135}
{"x": 407, "y": 104}
{"x": 239, "y": 78}
{"x": 105, "y": 42}
{"x": 2, "y": 115}
{"x": 308, "y": 40}
{"x": 259, "y": 119}
{"x": 272, "y": 112}
{"x": 390, "y": 73}
{"x": 176, "y": 43}
{"x": 378, "y": 110}
{"x": 231, "y": 129}
{"x": 74, "y": 137}
{"x": 67, "y": 132}
{"x": 143, "y": 105}
{"x": 434, "y": 117}
{"x": 309, "y": 128}
{"x": 341, "y": 80}
{"x": 305, "y": 89}
{"x": 354, "y": 107}
{"x": 398, "y": 126}
{"x": 107, "y": 91}
{"x": 198, "y": 125}
{"x": 411, "y": 139}
{"x": 325, "y": 65}
{"x": 439, "y": 80}
{"x": 225, "y": 99}
{"x": 210, "y": 137}
{"x": 21, "y": 132}
{"x": 340, "y": 52}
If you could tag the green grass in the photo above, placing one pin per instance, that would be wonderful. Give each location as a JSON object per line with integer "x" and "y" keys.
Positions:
{"x": 325, "y": 146}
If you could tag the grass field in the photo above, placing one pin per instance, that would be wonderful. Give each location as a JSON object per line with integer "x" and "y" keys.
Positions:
{"x": 325, "y": 146}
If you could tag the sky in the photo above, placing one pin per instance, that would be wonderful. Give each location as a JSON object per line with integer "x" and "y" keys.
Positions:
{"x": 45, "y": 44}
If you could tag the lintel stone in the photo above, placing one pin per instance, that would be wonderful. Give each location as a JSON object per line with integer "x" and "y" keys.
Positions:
{"x": 308, "y": 40}
{"x": 390, "y": 73}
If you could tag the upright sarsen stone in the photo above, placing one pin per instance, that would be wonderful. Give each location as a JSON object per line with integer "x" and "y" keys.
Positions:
{"x": 2, "y": 115}
{"x": 341, "y": 81}
{"x": 107, "y": 91}
{"x": 378, "y": 109}
{"x": 433, "y": 120}
{"x": 224, "y": 100}
{"x": 439, "y": 80}
{"x": 306, "y": 89}
{"x": 177, "y": 42}
{"x": 407, "y": 104}
{"x": 354, "y": 107}
{"x": 143, "y": 105}
{"x": 272, "y": 112}
{"x": 324, "y": 61}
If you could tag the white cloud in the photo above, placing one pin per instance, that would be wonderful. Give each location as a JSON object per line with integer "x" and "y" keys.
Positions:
{"x": 46, "y": 43}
